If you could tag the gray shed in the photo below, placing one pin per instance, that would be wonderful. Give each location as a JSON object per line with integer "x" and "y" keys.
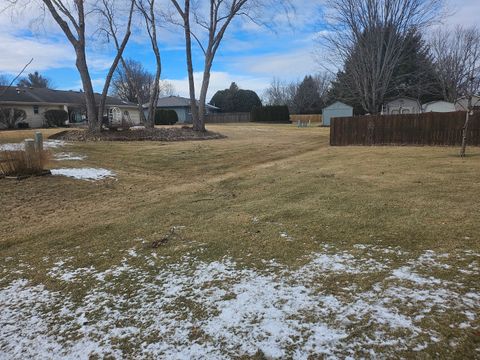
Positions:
{"x": 337, "y": 109}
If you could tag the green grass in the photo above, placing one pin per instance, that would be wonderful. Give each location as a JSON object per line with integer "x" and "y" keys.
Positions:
{"x": 234, "y": 197}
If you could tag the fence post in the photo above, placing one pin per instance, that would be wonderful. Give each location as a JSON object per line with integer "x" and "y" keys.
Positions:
{"x": 38, "y": 142}
{"x": 30, "y": 153}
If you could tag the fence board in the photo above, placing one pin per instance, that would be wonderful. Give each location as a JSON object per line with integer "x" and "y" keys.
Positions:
{"x": 412, "y": 129}
{"x": 217, "y": 118}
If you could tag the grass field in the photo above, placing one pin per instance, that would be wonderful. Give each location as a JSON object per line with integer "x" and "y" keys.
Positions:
{"x": 267, "y": 244}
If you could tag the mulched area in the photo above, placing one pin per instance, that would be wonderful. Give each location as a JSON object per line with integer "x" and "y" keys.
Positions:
{"x": 157, "y": 134}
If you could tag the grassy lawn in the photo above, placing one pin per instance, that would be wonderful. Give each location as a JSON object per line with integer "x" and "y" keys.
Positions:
{"x": 268, "y": 243}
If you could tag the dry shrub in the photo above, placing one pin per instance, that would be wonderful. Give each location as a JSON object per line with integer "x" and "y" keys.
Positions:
{"x": 18, "y": 163}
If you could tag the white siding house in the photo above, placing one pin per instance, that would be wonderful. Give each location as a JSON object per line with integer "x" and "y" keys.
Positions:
{"x": 462, "y": 103}
{"x": 36, "y": 101}
{"x": 402, "y": 105}
{"x": 438, "y": 106}
{"x": 337, "y": 109}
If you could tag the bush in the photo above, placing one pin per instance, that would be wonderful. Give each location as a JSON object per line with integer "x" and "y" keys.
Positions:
{"x": 9, "y": 117}
{"x": 165, "y": 117}
{"x": 55, "y": 118}
{"x": 271, "y": 114}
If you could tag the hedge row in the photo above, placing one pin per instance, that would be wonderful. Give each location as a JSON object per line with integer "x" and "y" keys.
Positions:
{"x": 271, "y": 114}
{"x": 165, "y": 117}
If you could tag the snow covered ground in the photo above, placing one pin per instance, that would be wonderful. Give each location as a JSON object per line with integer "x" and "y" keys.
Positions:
{"x": 67, "y": 156}
{"x": 47, "y": 144}
{"x": 192, "y": 309}
{"x": 91, "y": 174}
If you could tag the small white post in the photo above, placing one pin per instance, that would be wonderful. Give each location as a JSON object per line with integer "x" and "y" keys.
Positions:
{"x": 30, "y": 153}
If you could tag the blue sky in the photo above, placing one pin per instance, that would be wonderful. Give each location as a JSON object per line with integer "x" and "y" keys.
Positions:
{"x": 250, "y": 55}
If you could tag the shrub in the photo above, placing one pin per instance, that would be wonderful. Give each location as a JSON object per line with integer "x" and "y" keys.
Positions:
{"x": 11, "y": 116}
{"x": 17, "y": 163}
{"x": 271, "y": 114}
{"x": 165, "y": 117}
{"x": 55, "y": 118}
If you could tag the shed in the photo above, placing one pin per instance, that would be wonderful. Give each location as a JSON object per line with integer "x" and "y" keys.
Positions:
{"x": 337, "y": 109}
{"x": 181, "y": 106}
{"x": 402, "y": 105}
{"x": 438, "y": 106}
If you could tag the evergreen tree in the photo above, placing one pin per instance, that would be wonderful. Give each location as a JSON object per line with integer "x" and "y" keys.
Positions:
{"x": 235, "y": 99}
{"x": 35, "y": 80}
{"x": 307, "y": 98}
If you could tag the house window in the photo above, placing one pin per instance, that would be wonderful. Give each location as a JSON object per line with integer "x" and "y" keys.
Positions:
{"x": 126, "y": 113}
{"x": 35, "y": 109}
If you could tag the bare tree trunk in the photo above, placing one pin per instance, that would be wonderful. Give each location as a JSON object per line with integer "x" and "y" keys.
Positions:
{"x": 150, "y": 22}
{"x": 191, "y": 80}
{"x": 110, "y": 17}
{"x": 200, "y": 124}
{"x": 81, "y": 63}
{"x": 465, "y": 128}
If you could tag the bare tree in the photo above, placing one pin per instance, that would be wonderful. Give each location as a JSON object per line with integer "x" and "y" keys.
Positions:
{"x": 323, "y": 81}
{"x": 457, "y": 61}
{"x": 277, "y": 93}
{"x": 368, "y": 37}
{"x": 213, "y": 23}
{"x": 109, "y": 9}
{"x": 71, "y": 17}
{"x": 147, "y": 9}
{"x": 185, "y": 16}
{"x": 4, "y": 80}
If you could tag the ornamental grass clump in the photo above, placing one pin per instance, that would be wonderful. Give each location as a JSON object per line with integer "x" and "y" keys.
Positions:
{"x": 22, "y": 162}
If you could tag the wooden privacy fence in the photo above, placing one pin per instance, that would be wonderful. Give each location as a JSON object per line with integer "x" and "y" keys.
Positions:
{"x": 313, "y": 118}
{"x": 414, "y": 129}
{"x": 217, "y": 118}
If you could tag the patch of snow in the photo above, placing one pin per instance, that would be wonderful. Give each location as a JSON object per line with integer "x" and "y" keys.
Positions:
{"x": 219, "y": 310}
{"x": 66, "y": 156}
{"x": 47, "y": 144}
{"x": 285, "y": 235}
{"x": 90, "y": 174}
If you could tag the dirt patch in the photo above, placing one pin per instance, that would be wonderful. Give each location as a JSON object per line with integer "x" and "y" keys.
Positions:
{"x": 157, "y": 134}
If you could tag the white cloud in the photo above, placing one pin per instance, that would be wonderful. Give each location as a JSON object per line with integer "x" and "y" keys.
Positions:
{"x": 18, "y": 51}
{"x": 466, "y": 12}
{"x": 220, "y": 80}
{"x": 289, "y": 65}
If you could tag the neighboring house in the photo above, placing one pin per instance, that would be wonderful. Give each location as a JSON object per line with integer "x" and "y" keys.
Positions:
{"x": 337, "y": 109}
{"x": 462, "y": 103}
{"x": 402, "y": 105}
{"x": 438, "y": 106}
{"x": 181, "y": 106}
{"x": 36, "y": 101}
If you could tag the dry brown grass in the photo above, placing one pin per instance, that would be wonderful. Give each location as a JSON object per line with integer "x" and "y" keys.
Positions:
{"x": 289, "y": 179}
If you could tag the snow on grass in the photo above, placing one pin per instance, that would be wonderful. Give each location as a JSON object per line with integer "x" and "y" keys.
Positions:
{"x": 219, "y": 310}
{"x": 90, "y": 174}
{"x": 47, "y": 144}
{"x": 66, "y": 156}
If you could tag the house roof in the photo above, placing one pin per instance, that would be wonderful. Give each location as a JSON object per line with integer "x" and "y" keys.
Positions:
{"x": 338, "y": 103}
{"x": 402, "y": 98}
{"x": 177, "y": 101}
{"x": 29, "y": 95}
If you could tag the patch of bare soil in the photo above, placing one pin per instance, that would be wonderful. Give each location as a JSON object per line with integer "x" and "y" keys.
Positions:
{"x": 157, "y": 134}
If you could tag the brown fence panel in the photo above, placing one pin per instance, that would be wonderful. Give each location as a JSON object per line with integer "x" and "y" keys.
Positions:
{"x": 411, "y": 129}
{"x": 217, "y": 118}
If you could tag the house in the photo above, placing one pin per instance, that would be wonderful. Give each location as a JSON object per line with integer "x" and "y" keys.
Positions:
{"x": 36, "y": 101}
{"x": 337, "y": 109}
{"x": 438, "y": 106}
{"x": 402, "y": 105}
{"x": 462, "y": 103}
{"x": 181, "y": 106}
